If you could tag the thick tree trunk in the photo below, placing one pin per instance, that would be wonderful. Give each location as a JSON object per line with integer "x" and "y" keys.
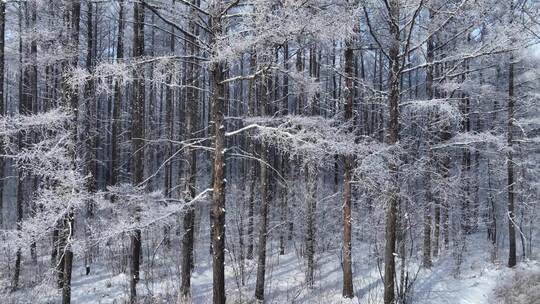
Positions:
{"x": 218, "y": 101}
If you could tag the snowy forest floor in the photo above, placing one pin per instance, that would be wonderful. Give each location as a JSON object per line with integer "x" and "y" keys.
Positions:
{"x": 477, "y": 282}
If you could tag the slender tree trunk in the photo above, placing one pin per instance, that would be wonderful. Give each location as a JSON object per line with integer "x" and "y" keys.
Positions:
{"x": 34, "y": 106}
{"x": 492, "y": 220}
{"x": 71, "y": 96}
{"x": 116, "y": 126}
{"x": 392, "y": 137}
{"x": 68, "y": 260}
{"x": 18, "y": 258}
{"x": 284, "y": 204}
{"x": 312, "y": 179}
{"x": 512, "y": 260}
{"x": 251, "y": 112}
{"x": 263, "y": 225}
{"x": 263, "y": 214}
{"x": 89, "y": 128}
{"x": 426, "y": 261}
{"x": 347, "y": 243}
{"x": 169, "y": 130}
{"x": 311, "y": 205}
{"x": 25, "y": 107}
{"x": 284, "y": 157}
{"x": 190, "y": 170}
{"x": 2, "y": 110}
{"x": 429, "y": 195}
{"x": 137, "y": 141}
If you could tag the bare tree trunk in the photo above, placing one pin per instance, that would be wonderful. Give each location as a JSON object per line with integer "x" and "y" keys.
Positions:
{"x": 312, "y": 179}
{"x": 169, "y": 130}
{"x": 512, "y": 260}
{"x": 284, "y": 157}
{"x": 426, "y": 261}
{"x": 251, "y": 144}
{"x": 392, "y": 138}
{"x": 263, "y": 225}
{"x": 20, "y": 194}
{"x": 190, "y": 170}
{"x": 492, "y": 219}
{"x": 115, "y": 140}
{"x": 429, "y": 195}
{"x": 2, "y": 110}
{"x": 89, "y": 134}
{"x": 311, "y": 205}
{"x": 137, "y": 140}
{"x": 347, "y": 243}
{"x": 68, "y": 260}
{"x": 284, "y": 204}
{"x": 25, "y": 108}
{"x": 34, "y": 106}
{"x": 71, "y": 96}
{"x": 218, "y": 101}
{"x": 263, "y": 214}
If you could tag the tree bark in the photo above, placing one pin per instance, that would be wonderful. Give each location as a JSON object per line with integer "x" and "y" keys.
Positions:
{"x": 22, "y": 110}
{"x": 2, "y": 110}
{"x": 429, "y": 195}
{"x": 512, "y": 260}
{"x": 190, "y": 170}
{"x": 347, "y": 242}
{"x": 71, "y": 96}
{"x": 169, "y": 130}
{"x": 311, "y": 205}
{"x": 392, "y": 137}
{"x": 90, "y": 130}
{"x": 263, "y": 225}
{"x": 137, "y": 141}
{"x": 251, "y": 144}
{"x": 218, "y": 100}
{"x": 115, "y": 140}
{"x": 263, "y": 214}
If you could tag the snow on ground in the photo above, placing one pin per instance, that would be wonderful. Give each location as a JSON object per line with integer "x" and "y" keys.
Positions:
{"x": 285, "y": 280}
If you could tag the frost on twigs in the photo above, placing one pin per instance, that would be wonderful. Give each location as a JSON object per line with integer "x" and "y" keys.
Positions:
{"x": 48, "y": 156}
{"x": 446, "y": 110}
{"x": 48, "y": 121}
{"x": 165, "y": 70}
{"x": 314, "y": 138}
{"x": 482, "y": 141}
{"x": 135, "y": 208}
